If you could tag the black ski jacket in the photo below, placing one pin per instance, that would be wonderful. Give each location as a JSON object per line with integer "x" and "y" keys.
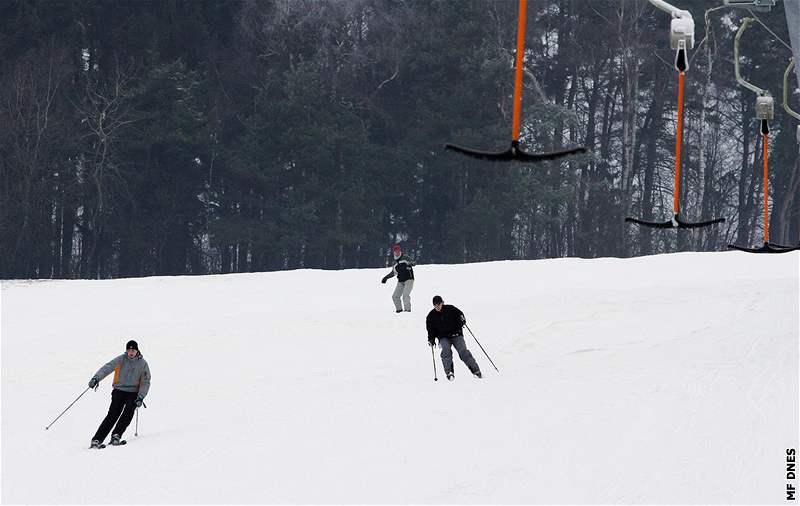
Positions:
{"x": 402, "y": 268}
{"x": 445, "y": 323}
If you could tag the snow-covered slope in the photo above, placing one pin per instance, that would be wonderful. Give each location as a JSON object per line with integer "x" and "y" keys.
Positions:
{"x": 666, "y": 379}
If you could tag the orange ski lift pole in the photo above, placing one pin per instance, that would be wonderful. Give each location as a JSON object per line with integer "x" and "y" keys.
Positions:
{"x": 765, "y": 111}
{"x": 514, "y": 152}
{"x": 681, "y": 40}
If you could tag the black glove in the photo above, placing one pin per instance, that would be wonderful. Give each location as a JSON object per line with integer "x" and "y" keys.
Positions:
{"x": 384, "y": 279}
{"x": 432, "y": 342}
{"x": 93, "y": 382}
{"x": 139, "y": 401}
{"x": 463, "y": 320}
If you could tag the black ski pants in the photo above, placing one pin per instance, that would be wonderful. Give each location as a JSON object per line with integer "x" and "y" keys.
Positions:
{"x": 122, "y": 403}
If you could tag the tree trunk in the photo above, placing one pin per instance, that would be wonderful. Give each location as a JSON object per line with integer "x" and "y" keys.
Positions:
{"x": 742, "y": 232}
{"x": 650, "y": 134}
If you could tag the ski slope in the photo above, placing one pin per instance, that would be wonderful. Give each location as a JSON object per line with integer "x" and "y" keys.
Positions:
{"x": 663, "y": 379}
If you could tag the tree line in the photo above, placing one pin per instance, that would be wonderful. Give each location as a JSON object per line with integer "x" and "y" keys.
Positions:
{"x": 172, "y": 137}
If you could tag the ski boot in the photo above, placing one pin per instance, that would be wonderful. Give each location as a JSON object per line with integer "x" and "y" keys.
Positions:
{"x": 116, "y": 441}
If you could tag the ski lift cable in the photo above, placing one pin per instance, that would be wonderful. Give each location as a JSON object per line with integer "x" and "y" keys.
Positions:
{"x": 767, "y": 7}
{"x": 770, "y": 31}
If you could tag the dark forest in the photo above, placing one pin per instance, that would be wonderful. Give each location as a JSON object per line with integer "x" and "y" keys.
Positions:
{"x": 186, "y": 137}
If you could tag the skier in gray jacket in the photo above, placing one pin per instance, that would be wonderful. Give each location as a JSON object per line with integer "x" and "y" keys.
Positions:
{"x": 131, "y": 384}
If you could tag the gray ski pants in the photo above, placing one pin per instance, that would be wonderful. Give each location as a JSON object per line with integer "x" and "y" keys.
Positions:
{"x": 403, "y": 289}
{"x": 463, "y": 353}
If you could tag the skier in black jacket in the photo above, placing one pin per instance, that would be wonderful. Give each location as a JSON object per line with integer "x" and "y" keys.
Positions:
{"x": 403, "y": 268}
{"x": 445, "y": 322}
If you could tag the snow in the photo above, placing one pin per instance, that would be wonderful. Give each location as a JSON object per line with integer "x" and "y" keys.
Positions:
{"x": 662, "y": 379}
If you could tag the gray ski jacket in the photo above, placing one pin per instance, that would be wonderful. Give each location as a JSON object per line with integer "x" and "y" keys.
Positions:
{"x": 130, "y": 374}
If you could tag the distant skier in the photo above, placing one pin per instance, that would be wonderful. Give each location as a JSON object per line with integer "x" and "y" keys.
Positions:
{"x": 403, "y": 268}
{"x": 131, "y": 383}
{"x": 445, "y": 322}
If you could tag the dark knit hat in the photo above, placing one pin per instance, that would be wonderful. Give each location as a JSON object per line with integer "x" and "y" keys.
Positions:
{"x": 132, "y": 345}
{"x": 437, "y": 300}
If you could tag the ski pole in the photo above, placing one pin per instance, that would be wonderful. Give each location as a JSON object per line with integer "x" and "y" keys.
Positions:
{"x": 433, "y": 357}
{"x": 73, "y": 402}
{"x": 484, "y": 351}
